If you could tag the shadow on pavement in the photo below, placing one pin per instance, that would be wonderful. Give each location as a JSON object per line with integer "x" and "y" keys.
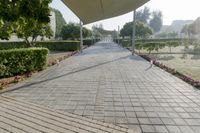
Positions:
{"x": 80, "y": 70}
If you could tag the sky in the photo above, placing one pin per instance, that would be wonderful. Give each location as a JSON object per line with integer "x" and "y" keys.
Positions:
{"x": 171, "y": 9}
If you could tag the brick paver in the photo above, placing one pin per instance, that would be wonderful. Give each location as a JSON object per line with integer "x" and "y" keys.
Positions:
{"x": 22, "y": 117}
{"x": 107, "y": 83}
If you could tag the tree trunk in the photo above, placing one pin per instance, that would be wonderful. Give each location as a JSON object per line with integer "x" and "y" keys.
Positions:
{"x": 27, "y": 42}
{"x": 149, "y": 52}
{"x": 33, "y": 41}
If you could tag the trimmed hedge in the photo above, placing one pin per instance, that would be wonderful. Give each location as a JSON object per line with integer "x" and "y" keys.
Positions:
{"x": 124, "y": 42}
{"x": 88, "y": 42}
{"x": 150, "y": 46}
{"x": 154, "y": 45}
{"x": 161, "y": 40}
{"x": 51, "y": 45}
{"x": 12, "y": 45}
{"x": 60, "y": 45}
{"x": 153, "y": 40}
{"x": 20, "y": 61}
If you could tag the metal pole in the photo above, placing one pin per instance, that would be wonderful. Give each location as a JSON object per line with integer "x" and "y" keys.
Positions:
{"x": 118, "y": 37}
{"x": 93, "y": 37}
{"x": 81, "y": 37}
{"x": 133, "y": 35}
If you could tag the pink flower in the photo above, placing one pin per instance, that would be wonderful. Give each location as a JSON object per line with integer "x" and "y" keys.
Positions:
{"x": 151, "y": 62}
{"x": 17, "y": 77}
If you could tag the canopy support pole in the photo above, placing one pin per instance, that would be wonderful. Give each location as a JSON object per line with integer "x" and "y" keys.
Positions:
{"x": 118, "y": 35}
{"x": 133, "y": 34}
{"x": 81, "y": 36}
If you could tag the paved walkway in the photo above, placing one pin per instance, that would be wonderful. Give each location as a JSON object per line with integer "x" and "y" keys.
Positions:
{"x": 22, "y": 117}
{"x": 106, "y": 83}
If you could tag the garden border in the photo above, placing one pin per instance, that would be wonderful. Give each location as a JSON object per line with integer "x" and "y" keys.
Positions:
{"x": 9, "y": 86}
{"x": 185, "y": 78}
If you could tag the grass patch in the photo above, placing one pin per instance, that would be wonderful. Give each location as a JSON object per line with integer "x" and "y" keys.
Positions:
{"x": 184, "y": 63}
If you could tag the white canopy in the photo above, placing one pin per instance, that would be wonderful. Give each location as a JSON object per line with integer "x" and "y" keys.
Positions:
{"x": 90, "y": 11}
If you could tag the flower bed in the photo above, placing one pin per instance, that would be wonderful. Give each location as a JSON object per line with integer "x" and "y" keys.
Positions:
{"x": 174, "y": 72}
{"x": 5, "y": 82}
{"x": 59, "y": 59}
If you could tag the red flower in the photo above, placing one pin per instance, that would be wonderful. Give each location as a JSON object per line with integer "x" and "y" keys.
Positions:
{"x": 17, "y": 78}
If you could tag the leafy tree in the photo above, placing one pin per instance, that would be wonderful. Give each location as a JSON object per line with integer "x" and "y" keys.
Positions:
{"x": 101, "y": 26}
{"x": 143, "y": 15}
{"x": 32, "y": 28}
{"x": 139, "y": 46}
{"x": 167, "y": 35}
{"x": 190, "y": 30}
{"x": 172, "y": 34}
{"x": 171, "y": 44}
{"x": 72, "y": 31}
{"x": 127, "y": 30}
{"x": 6, "y": 30}
{"x": 60, "y": 22}
{"x": 9, "y": 10}
{"x": 17, "y": 16}
{"x": 162, "y": 35}
{"x": 86, "y": 32}
{"x": 156, "y": 22}
{"x": 187, "y": 29}
{"x": 12, "y": 10}
{"x": 96, "y": 31}
{"x": 142, "y": 30}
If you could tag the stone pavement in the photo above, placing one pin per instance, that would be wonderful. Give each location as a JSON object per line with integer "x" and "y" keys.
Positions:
{"x": 23, "y": 117}
{"x": 106, "y": 83}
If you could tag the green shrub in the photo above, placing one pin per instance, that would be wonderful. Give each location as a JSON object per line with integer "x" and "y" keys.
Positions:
{"x": 139, "y": 46}
{"x": 12, "y": 45}
{"x": 88, "y": 42}
{"x": 150, "y": 46}
{"x": 160, "y": 40}
{"x": 51, "y": 45}
{"x": 20, "y": 61}
{"x": 126, "y": 42}
{"x": 119, "y": 40}
{"x": 60, "y": 45}
{"x": 173, "y": 43}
